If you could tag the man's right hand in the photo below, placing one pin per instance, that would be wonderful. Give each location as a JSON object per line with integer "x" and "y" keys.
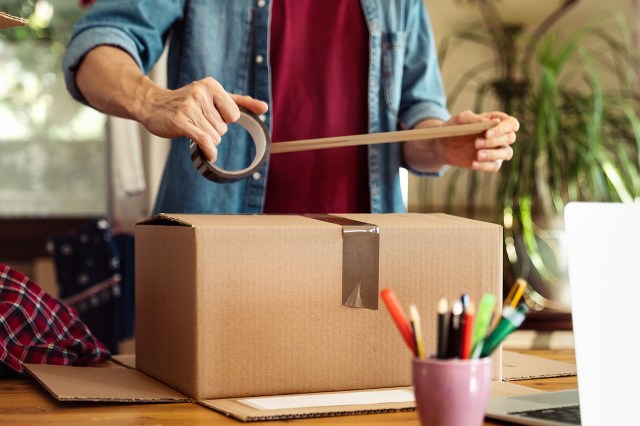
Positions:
{"x": 112, "y": 82}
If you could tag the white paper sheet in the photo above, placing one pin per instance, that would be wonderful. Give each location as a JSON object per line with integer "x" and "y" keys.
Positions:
{"x": 329, "y": 400}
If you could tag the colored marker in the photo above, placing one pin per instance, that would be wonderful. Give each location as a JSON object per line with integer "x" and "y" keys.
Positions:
{"x": 483, "y": 319}
{"x": 466, "y": 341}
{"x": 398, "y": 316}
{"x": 511, "y": 319}
{"x": 417, "y": 330}
{"x": 443, "y": 328}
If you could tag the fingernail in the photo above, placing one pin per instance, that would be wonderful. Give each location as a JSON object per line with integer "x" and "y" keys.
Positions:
{"x": 479, "y": 143}
{"x": 491, "y": 133}
{"x": 482, "y": 155}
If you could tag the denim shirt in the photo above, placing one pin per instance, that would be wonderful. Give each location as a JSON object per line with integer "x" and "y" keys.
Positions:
{"x": 228, "y": 40}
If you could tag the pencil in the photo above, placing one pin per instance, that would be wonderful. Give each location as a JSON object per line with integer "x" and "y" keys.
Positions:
{"x": 417, "y": 330}
{"x": 515, "y": 292}
{"x": 520, "y": 285}
{"x": 455, "y": 331}
{"x": 398, "y": 316}
{"x": 443, "y": 328}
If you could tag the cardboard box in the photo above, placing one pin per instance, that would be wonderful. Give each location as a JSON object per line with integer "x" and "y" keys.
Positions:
{"x": 233, "y": 305}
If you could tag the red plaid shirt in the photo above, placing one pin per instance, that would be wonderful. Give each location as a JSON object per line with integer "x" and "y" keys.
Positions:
{"x": 35, "y": 328}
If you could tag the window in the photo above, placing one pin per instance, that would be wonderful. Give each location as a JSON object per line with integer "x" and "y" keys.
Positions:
{"x": 52, "y": 149}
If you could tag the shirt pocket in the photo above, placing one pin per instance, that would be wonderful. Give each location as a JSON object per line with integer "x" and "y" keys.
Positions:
{"x": 393, "y": 52}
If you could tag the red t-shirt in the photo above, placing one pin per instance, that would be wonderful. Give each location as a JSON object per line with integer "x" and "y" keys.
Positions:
{"x": 319, "y": 57}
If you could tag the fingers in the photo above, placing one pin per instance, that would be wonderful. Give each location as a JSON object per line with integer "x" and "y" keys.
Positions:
{"x": 202, "y": 111}
{"x": 490, "y": 160}
{"x": 254, "y": 105}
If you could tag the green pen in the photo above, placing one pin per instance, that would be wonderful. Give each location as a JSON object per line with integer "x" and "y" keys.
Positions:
{"x": 483, "y": 319}
{"x": 511, "y": 319}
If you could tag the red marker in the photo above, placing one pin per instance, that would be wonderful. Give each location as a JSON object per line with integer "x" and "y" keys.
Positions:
{"x": 467, "y": 331}
{"x": 394, "y": 308}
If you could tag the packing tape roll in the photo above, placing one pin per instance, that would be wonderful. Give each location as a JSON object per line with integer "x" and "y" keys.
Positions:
{"x": 260, "y": 135}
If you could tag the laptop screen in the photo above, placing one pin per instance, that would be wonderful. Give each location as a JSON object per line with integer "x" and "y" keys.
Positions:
{"x": 603, "y": 248}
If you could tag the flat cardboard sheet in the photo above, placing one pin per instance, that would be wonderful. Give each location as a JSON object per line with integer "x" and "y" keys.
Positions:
{"x": 517, "y": 366}
{"x": 236, "y": 408}
{"x": 120, "y": 383}
{"x": 67, "y": 383}
{"x": 9, "y": 21}
{"x": 245, "y": 410}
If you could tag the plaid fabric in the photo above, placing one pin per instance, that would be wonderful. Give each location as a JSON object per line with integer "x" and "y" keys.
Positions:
{"x": 37, "y": 329}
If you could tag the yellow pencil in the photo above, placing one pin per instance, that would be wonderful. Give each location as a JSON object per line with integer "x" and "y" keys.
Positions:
{"x": 520, "y": 285}
{"x": 417, "y": 331}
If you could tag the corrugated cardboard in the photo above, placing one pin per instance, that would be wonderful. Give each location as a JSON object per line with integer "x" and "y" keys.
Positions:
{"x": 9, "y": 21}
{"x": 67, "y": 383}
{"x": 232, "y": 305}
{"x": 517, "y": 366}
{"x": 121, "y": 384}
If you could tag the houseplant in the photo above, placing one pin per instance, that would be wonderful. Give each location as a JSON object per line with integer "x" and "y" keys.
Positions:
{"x": 577, "y": 103}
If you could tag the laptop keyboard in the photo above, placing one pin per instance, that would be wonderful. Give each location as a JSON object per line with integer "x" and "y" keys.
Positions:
{"x": 569, "y": 414}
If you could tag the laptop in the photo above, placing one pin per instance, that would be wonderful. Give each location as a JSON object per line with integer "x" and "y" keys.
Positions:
{"x": 603, "y": 249}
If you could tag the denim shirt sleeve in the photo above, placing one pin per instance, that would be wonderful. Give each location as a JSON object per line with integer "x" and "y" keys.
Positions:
{"x": 138, "y": 27}
{"x": 423, "y": 94}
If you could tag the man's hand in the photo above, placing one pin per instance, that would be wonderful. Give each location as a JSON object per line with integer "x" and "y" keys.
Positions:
{"x": 484, "y": 152}
{"x": 112, "y": 83}
{"x": 199, "y": 111}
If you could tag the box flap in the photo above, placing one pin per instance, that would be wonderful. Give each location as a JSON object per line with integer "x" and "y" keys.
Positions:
{"x": 517, "y": 366}
{"x": 9, "y": 21}
{"x": 125, "y": 360}
{"x": 165, "y": 220}
{"x": 232, "y": 220}
{"x": 67, "y": 383}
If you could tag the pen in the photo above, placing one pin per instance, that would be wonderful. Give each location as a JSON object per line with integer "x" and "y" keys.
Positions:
{"x": 455, "y": 331}
{"x": 511, "y": 319}
{"x": 467, "y": 331}
{"x": 483, "y": 319}
{"x": 397, "y": 314}
{"x": 443, "y": 328}
{"x": 417, "y": 331}
{"x": 464, "y": 299}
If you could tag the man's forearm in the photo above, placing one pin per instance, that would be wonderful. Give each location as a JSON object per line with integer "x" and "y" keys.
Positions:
{"x": 424, "y": 156}
{"x": 111, "y": 81}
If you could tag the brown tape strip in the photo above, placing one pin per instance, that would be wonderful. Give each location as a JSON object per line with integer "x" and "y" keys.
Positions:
{"x": 360, "y": 261}
{"x": 263, "y": 145}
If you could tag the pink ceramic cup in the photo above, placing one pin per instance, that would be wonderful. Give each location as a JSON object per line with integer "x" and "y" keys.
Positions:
{"x": 451, "y": 392}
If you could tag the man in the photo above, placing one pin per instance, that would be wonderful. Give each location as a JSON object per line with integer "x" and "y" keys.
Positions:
{"x": 308, "y": 68}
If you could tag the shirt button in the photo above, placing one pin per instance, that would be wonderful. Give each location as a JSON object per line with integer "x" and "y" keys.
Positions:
{"x": 262, "y": 117}
{"x": 256, "y": 176}
{"x": 261, "y": 3}
{"x": 259, "y": 59}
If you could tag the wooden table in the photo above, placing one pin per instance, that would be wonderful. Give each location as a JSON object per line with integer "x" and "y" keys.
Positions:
{"x": 25, "y": 402}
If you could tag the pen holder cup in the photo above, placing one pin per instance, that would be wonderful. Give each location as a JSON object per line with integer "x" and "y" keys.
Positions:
{"x": 451, "y": 392}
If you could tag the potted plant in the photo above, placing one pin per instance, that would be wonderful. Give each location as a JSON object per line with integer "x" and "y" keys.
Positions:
{"x": 577, "y": 103}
